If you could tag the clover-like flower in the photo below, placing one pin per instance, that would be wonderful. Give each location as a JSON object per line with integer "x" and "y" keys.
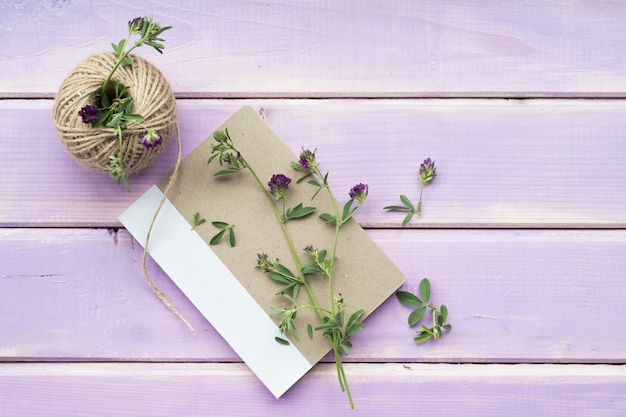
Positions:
{"x": 307, "y": 159}
{"x": 89, "y": 113}
{"x": 151, "y": 139}
{"x": 136, "y": 25}
{"x": 428, "y": 172}
{"x": 265, "y": 264}
{"x": 359, "y": 192}
{"x": 279, "y": 184}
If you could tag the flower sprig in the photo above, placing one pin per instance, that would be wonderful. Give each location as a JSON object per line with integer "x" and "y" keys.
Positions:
{"x": 114, "y": 104}
{"x": 427, "y": 173}
{"x": 334, "y": 323}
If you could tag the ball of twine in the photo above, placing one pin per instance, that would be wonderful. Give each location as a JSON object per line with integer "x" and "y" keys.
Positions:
{"x": 92, "y": 146}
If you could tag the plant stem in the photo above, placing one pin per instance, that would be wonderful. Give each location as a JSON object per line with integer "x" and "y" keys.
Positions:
{"x": 290, "y": 243}
{"x": 419, "y": 204}
{"x": 335, "y": 340}
{"x": 335, "y": 241}
{"x": 120, "y": 58}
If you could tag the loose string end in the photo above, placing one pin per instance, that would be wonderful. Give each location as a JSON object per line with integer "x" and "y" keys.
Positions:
{"x": 154, "y": 288}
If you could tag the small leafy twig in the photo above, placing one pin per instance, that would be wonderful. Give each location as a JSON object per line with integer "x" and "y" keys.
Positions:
{"x": 428, "y": 172}
{"x": 114, "y": 105}
{"x": 439, "y": 314}
{"x": 197, "y": 221}
{"x": 225, "y": 227}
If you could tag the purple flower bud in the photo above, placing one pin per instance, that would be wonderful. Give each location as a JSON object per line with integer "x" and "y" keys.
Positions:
{"x": 265, "y": 264}
{"x": 89, "y": 113}
{"x": 307, "y": 159}
{"x": 136, "y": 25}
{"x": 279, "y": 184}
{"x": 151, "y": 139}
{"x": 428, "y": 172}
{"x": 359, "y": 192}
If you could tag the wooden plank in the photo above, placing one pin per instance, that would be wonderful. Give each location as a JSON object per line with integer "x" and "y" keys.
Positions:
{"x": 418, "y": 48}
{"x": 513, "y": 296}
{"x": 379, "y": 389}
{"x": 501, "y": 163}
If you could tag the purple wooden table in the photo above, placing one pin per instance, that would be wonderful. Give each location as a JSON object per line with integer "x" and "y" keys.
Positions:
{"x": 523, "y": 234}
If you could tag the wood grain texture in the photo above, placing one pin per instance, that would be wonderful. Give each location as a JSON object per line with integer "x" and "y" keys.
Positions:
{"x": 379, "y": 389}
{"x": 523, "y": 234}
{"x": 501, "y": 163}
{"x": 322, "y": 48}
{"x": 513, "y": 296}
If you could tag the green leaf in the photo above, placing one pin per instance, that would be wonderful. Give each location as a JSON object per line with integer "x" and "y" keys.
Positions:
{"x": 282, "y": 341}
{"x": 159, "y": 47}
{"x": 216, "y": 239}
{"x": 422, "y": 337}
{"x": 444, "y": 312}
{"x": 354, "y": 323}
{"x": 309, "y": 330}
{"x": 339, "y": 318}
{"x": 354, "y": 329}
{"x": 328, "y": 324}
{"x": 197, "y": 221}
{"x": 311, "y": 268}
{"x": 226, "y": 172}
{"x": 279, "y": 277}
{"x": 407, "y": 218}
{"x": 315, "y": 183}
{"x": 425, "y": 290}
{"x": 346, "y": 346}
{"x": 329, "y": 219}
{"x": 400, "y": 208}
{"x": 405, "y": 200}
{"x": 221, "y": 225}
{"x": 355, "y": 317}
{"x": 284, "y": 289}
{"x": 294, "y": 292}
{"x": 447, "y": 327}
{"x": 231, "y": 237}
{"x": 283, "y": 270}
{"x": 408, "y": 299}
{"x": 119, "y": 48}
{"x": 133, "y": 117}
{"x": 416, "y": 315}
{"x": 427, "y": 330}
{"x": 215, "y": 155}
{"x": 347, "y": 213}
{"x": 298, "y": 212}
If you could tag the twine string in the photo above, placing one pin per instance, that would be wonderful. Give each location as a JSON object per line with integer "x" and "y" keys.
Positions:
{"x": 154, "y": 288}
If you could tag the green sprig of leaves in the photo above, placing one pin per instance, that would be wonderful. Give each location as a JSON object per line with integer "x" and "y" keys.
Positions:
{"x": 197, "y": 220}
{"x": 407, "y": 206}
{"x": 291, "y": 283}
{"x": 114, "y": 104}
{"x": 226, "y": 227}
{"x": 422, "y": 304}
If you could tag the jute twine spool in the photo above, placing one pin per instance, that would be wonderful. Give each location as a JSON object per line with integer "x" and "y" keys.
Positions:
{"x": 91, "y": 147}
{"x": 152, "y": 98}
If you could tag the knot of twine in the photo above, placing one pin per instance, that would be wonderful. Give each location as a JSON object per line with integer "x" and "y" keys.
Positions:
{"x": 152, "y": 98}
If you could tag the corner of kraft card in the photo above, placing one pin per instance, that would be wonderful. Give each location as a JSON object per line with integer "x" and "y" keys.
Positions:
{"x": 226, "y": 282}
